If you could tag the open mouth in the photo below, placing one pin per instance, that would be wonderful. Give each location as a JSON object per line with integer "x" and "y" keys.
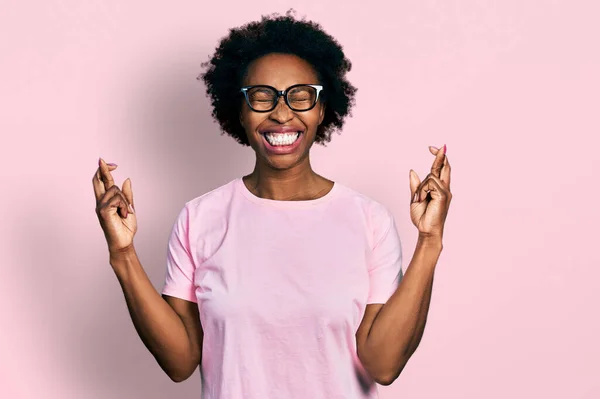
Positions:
{"x": 282, "y": 139}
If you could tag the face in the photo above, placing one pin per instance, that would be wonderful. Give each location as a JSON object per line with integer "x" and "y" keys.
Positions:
{"x": 281, "y": 71}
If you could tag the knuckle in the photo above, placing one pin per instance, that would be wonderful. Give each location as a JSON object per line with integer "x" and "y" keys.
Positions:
{"x": 101, "y": 210}
{"x": 124, "y": 198}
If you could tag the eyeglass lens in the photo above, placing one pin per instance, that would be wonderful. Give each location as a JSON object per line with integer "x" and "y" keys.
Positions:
{"x": 299, "y": 98}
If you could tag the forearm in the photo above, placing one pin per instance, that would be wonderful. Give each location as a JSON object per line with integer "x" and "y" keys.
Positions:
{"x": 422, "y": 319}
{"x": 162, "y": 331}
{"x": 398, "y": 328}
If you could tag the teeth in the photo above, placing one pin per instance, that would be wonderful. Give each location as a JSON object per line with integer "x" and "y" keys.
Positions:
{"x": 282, "y": 138}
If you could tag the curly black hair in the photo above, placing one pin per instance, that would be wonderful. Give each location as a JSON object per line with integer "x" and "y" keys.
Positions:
{"x": 277, "y": 34}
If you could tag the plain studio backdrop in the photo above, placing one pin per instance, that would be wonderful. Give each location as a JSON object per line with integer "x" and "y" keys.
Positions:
{"x": 511, "y": 86}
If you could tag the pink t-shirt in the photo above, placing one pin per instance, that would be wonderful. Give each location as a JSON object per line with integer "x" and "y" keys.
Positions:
{"x": 281, "y": 288}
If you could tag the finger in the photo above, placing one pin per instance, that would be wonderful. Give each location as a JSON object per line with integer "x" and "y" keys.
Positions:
{"x": 437, "y": 188}
{"x": 114, "y": 198}
{"x": 105, "y": 175}
{"x": 111, "y": 192}
{"x": 423, "y": 189}
{"x": 97, "y": 173}
{"x": 432, "y": 186}
{"x": 414, "y": 184}
{"x": 128, "y": 194}
{"x": 99, "y": 189}
{"x": 445, "y": 175}
{"x": 123, "y": 205}
{"x": 438, "y": 163}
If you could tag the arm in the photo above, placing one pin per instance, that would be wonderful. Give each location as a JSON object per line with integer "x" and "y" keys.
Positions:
{"x": 390, "y": 333}
{"x": 169, "y": 327}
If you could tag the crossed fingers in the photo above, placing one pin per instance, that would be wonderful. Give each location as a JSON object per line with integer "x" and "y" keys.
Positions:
{"x": 102, "y": 179}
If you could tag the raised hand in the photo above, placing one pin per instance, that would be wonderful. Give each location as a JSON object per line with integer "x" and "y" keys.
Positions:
{"x": 431, "y": 198}
{"x": 115, "y": 209}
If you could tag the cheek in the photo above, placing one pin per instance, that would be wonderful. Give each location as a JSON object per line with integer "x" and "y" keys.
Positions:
{"x": 312, "y": 120}
{"x": 250, "y": 120}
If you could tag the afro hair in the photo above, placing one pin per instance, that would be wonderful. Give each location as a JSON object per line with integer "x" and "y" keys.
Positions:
{"x": 275, "y": 33}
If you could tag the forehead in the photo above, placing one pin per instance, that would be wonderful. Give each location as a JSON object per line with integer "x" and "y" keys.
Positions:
{"x": 280, "y": 71}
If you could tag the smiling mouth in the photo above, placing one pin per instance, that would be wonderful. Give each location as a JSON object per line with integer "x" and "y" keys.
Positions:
{"x": 281, "y": 139}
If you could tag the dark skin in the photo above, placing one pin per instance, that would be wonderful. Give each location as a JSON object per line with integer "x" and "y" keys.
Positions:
{"x": 289, "y": 177}
{"x": 388, "y": 334}
{"x": 285, "y": 177}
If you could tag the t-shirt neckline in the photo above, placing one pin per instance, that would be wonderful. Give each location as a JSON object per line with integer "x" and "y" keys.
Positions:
{"x": 239, "y": 182}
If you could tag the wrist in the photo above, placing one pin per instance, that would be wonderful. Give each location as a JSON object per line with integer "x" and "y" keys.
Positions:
{"x": 430, "y": 241}
{"x": 121, "y": 256}
{"x": 123, "y": 263}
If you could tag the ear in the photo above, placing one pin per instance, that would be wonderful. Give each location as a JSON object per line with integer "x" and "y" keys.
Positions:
{"x": 322, "y": 113}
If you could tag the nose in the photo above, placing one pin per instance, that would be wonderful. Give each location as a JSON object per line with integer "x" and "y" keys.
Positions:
{"x": 282, "y": 113}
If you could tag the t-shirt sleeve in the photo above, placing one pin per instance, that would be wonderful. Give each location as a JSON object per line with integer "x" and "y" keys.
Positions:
{"x": 385, "y": 261}
{"x": 179, "y": 280}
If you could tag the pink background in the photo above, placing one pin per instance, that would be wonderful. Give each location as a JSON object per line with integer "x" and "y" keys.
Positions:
{"x": 512, "y": 87}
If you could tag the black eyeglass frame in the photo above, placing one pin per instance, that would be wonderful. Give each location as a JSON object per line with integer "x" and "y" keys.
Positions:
{"x": 282, "y": 93}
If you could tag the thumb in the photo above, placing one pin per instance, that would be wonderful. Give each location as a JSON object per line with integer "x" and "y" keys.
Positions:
{"x": 128, "y": 193}
{"x": 414, "y": 183}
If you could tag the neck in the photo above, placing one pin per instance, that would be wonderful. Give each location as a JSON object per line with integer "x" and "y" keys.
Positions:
{"x": 298, "y": 183}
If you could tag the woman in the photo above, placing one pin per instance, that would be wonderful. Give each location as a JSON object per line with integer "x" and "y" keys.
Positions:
{"x": 281, "y": 283}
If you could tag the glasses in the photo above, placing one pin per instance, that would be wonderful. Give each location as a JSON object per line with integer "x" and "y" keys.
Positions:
{"x": 300, "y": 97}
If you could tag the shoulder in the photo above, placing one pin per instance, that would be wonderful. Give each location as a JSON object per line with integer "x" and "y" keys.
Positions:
{"x": 206, "y": 205}
{"x": 215, "y": 198}
{"x": 375, "y": 211}
{"x": 378, "y": 219}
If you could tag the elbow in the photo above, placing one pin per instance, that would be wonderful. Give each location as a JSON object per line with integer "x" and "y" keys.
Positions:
{"x": 383, "y": 375}
{"x": 179, "y": 377}
{"x": 384, "y": 371}
{"x": 381, "y": 378}
{"x": 175, "y": 378}
{"x": 391, "y": 376}
{"x": 386, "y": 380}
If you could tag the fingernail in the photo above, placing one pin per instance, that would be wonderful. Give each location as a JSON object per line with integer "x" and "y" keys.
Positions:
{"x": 112, "y": 164}
{"x": 445, "y": 149}
{"x": 131, "y": 208}
{"x": 99, "y": 161}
